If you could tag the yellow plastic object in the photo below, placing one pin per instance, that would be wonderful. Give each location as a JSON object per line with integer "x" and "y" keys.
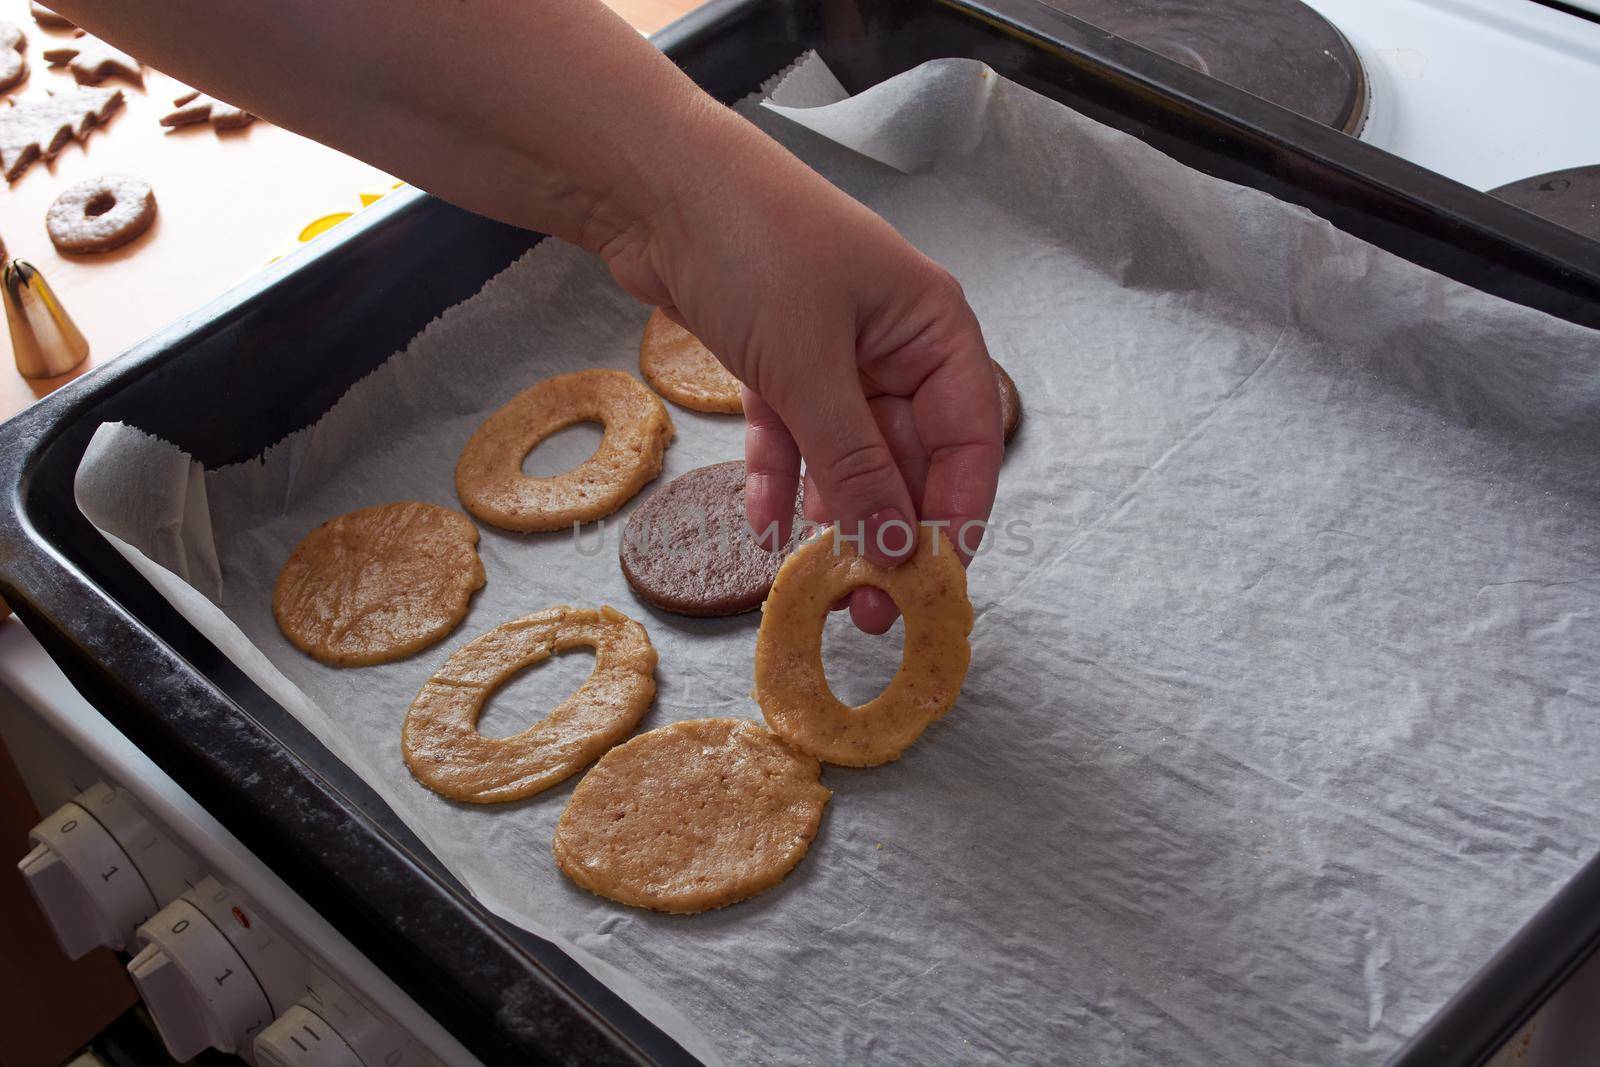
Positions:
{"x": 372, "y": 196}
{"x": 322, "y": 225}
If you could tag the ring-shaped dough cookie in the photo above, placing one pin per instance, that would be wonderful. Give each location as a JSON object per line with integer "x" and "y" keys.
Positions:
{"x": 440, "y": 740}
{"x": 100, "y": 214}
{"x": 930, "y": 589}
{"x": 13, "y": 64}
{"x": 684, "y": 371}
{"x": 489, "y": 478}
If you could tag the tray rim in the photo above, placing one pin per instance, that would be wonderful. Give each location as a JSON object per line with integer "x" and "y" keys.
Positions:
{"x": 35, "y": 577}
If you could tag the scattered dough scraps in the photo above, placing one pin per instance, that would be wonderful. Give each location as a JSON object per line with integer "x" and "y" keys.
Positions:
{"x": 696, "y": 815}
{"x": 194, "y": 107}
{"x": 90, "y": 59}
{"x": 45, "y": 17}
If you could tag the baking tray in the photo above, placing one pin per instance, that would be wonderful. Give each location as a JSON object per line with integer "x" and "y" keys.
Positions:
{"x": 272, "y": 355}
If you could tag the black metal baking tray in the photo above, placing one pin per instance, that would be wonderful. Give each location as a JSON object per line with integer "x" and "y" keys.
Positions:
{"x": 272, "y": 355}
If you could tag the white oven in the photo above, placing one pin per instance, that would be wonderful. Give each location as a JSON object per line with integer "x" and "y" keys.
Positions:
{"x": 226, "y": 956}
{"x": 222, "y": 952}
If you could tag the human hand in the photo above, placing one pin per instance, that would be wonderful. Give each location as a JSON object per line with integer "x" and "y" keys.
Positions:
{"x": 859, "y": 355}
{"x": 858, "y": 352}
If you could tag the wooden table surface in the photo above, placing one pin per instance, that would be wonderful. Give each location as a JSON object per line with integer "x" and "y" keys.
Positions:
{"x": 228, "y": 202}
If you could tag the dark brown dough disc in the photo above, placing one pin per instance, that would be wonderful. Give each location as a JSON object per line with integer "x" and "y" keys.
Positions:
{"x": 1010, "y": 400}
{"x": 688, "y": 548}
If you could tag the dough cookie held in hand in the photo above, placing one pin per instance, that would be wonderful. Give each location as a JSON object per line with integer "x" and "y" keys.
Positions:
{"x": 440, "y": 740}
{"x": 684, "y": 371}
{"x": 692, "y": 816}
{"x": 930, "y": 590}
{"x": 376, "y": 585}
{"x": 489, "y": 478}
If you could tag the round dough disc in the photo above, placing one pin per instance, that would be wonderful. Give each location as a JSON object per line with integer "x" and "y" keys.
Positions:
{"x": 378, "y": 584}
{"x": 692, "y": 816}
{"x": 684, "y": 371}
{"x": 1010, "y": 401}
{"x": 689, "y": 548}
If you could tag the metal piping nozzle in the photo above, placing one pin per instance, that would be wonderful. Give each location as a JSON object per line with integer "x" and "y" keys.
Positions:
{"x": 44, "y": 338}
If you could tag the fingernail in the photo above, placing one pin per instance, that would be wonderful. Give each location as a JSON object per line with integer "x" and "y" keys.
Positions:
{"x": 772, "y": 537}
{"x": 890, "y": 538}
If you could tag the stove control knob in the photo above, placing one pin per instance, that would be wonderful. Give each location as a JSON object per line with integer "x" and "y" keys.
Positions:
{"x": 87, "y": 886}
{"x": 167, "y": 869}
{"x": 302, "y": 1038}
{"x": 277, "y": 966}
{"x": 196, "y": 985}
{"x": 329, "y": 1026}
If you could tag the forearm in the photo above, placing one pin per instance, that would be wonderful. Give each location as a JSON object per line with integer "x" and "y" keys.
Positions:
{"x": 528, "y": 111}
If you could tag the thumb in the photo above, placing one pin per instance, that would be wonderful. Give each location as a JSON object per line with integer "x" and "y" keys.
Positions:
{"x": 853, "y": 467}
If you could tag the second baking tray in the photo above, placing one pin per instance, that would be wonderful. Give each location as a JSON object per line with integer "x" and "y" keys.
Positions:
{"x": 271, "y": 356}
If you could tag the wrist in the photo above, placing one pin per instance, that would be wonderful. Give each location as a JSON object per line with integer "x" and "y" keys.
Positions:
{"x": 683, "y": 178}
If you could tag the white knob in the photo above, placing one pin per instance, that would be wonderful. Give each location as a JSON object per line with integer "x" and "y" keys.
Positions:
{"x": 167, "y": 869}
{"x": 78, "y": 923}
{"x": 195, "y": 984}
{"x": 187, "y": 1024}
{"x": 302, "y": 1038}
{"x": 379, "y": 1042}
{"x": 369, "y": 1040}
{"x": 279, "y": 968}
{"x": 89, "y": 890}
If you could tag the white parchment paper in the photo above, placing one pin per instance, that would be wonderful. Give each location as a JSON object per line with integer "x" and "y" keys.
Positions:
{"x": 1282, "y": 713}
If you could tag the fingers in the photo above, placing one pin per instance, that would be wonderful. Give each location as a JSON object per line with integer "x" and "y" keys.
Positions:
{"x": 852, "y": 466}
{"x": 772, "y": 472}
{"x": 873, "y": 610}
{"x": 896, "y": 419}
{"x": 957, "y": 418}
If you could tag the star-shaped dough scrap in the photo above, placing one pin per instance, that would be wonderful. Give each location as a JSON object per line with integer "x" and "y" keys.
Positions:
{"x": 45, "y": 17}
{"x": 38, "y": 129}
{"x": 90, "y": 59}
{"x": 195, "y": 106}
{"x": 13, "y": 66}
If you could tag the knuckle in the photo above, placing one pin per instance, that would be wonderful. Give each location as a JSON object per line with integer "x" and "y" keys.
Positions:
{"x": 859, "y": 469}
{"x": 947, "y": 286}
{"x": 766, "y": 422}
